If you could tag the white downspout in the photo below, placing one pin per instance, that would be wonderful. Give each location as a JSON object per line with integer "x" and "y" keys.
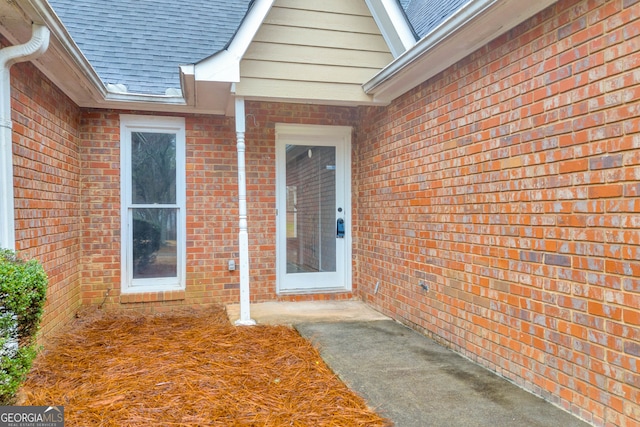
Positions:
{"x": 243, "y": 235}
{"x": 9, "y": 56}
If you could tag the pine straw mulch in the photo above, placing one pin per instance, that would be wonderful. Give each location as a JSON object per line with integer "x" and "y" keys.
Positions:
{"x": 189, "y": 369}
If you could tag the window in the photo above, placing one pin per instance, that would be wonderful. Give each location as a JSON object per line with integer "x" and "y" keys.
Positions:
{"x": 152, "y": 173}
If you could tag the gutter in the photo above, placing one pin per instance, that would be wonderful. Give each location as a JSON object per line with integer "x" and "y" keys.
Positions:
{"x": 8, "y": 56}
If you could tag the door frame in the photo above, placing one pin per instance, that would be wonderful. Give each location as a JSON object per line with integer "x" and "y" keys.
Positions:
{"x": 296, "y": 133}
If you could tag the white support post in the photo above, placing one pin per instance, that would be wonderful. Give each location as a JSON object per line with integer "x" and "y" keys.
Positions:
{"x": 243, "y": 235}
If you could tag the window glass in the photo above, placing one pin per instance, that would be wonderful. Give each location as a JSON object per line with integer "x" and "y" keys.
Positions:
{"x": 155, "y": 243}
{"x": 153, "y": 167}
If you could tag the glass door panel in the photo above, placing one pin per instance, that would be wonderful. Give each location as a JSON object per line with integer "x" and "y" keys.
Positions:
{"x": 311, "y": 214}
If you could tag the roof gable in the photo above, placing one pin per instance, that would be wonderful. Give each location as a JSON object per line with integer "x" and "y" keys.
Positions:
{"x": 314, "y": 52}
{"x": 141, "y": 44}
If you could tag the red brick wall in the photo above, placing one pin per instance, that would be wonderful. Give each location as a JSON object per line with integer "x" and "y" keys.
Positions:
{"x": 509, "y": 186}
{"x": 99, "y": 136}
{"x": 47, "y": 189}
{"x": 212, "y": 215}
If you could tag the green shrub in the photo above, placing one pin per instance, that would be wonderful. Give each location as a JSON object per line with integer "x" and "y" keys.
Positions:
{"x": 23, "y": 289}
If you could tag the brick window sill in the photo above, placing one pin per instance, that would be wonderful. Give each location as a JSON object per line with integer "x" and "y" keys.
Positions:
{"x": 152, "y": 297}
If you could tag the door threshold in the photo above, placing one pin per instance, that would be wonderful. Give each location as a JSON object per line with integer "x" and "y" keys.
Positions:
{"x": 311, "y": 291}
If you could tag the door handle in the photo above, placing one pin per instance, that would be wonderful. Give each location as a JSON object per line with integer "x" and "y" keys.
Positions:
{"x": 340, "y": 229}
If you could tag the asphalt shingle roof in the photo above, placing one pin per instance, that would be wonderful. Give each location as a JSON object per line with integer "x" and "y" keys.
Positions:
{"x": 425, "y": 15}
{"x": 141, "y": 43}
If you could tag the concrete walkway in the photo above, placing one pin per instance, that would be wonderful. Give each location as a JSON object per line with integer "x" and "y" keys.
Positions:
{"x": 407, "y": 377}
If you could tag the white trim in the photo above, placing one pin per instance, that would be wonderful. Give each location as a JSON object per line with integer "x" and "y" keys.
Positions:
{"x": 393, "y": 25}
{"x": 340, "y": 136}
{"x": 135, "y": 123}
{"x": 470, "y": 28}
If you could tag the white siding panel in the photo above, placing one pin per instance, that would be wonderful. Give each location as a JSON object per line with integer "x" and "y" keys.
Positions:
{"x": 317, "y": 55}
{"x": 306, "y": 72}
{"x": 322, "y": 20}
{"x": 323, "y": 38}
{"x": 303, "y": 91}
{"x": 347, "y": 7}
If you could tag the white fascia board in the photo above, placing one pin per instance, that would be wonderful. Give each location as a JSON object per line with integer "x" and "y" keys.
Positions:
{"x": 393, "y": 25}
{"x": 63, "y": 63}
{"x": 470, "y": 28}
{"x": 137, "y": 102}
{"x": 224, "y": 66}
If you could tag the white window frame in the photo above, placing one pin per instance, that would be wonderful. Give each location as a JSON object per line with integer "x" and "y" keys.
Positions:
{"x": 154, "y": 124}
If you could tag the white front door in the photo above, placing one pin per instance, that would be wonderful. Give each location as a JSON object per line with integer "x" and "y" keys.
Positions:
{"x": 313, "y": 208}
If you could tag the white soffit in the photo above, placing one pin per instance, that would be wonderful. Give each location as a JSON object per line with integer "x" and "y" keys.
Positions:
{"x": 470, "y": 28}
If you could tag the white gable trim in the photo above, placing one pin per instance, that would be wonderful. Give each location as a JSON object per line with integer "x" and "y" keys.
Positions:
{"x": 224, "y": 66}
{"x": 393, "y": 25}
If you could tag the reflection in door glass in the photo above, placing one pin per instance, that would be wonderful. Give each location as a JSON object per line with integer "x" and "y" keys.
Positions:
{"x": 311, "y": 209}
